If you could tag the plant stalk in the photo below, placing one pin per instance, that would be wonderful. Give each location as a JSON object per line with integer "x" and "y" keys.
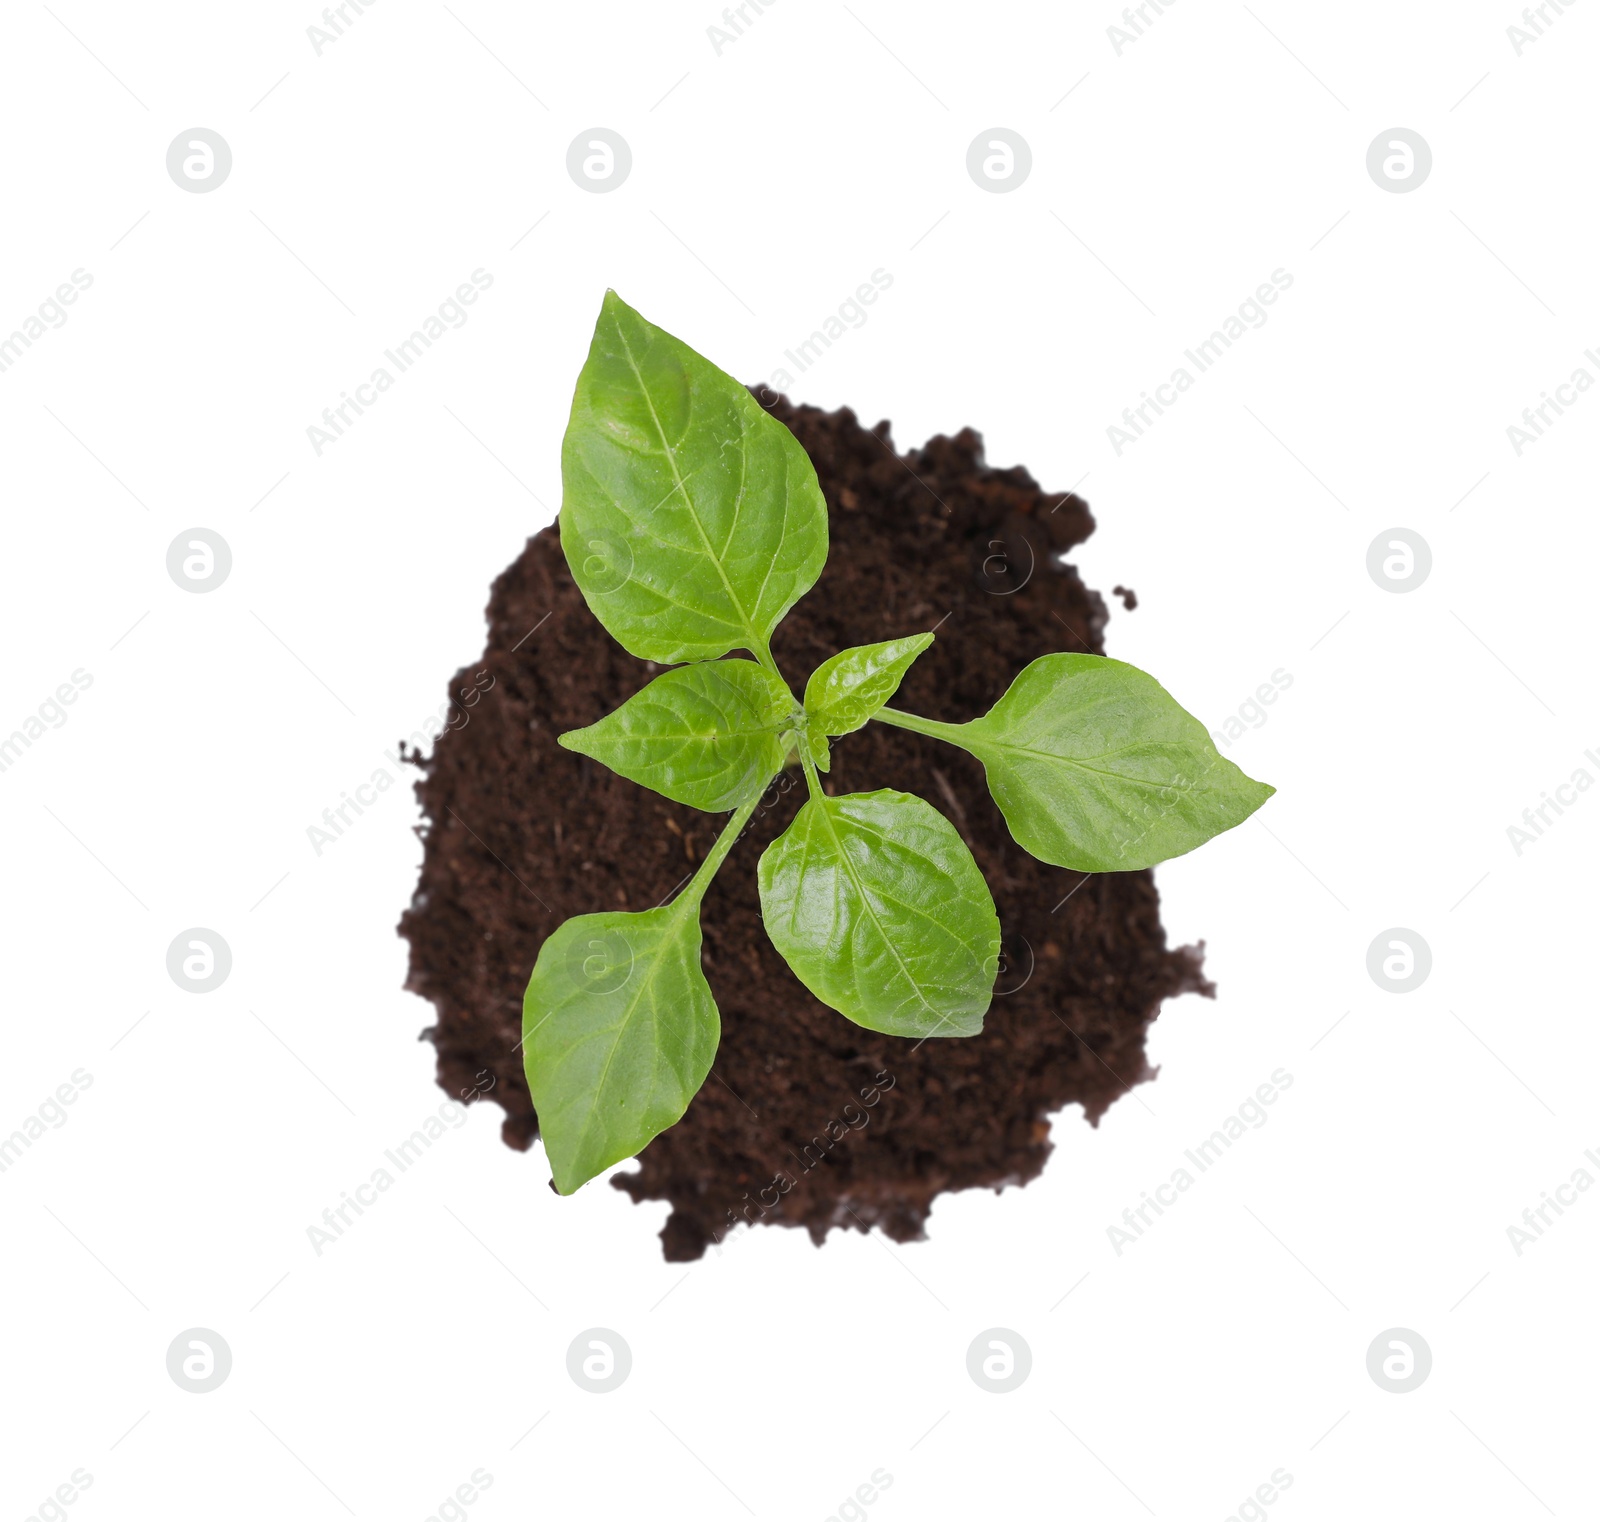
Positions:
{"x": 717, "y": 854}
{"x": 813, "y": 782}
{"x": 932, "y": 727}
{"x": 764, "y": 657}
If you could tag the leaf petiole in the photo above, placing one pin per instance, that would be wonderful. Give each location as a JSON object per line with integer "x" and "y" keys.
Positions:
{"x": 931, "y": 727}
{"x": 716, "y": 856}
{"x": 763, "y": 654}
{"x": 813, "y": 782}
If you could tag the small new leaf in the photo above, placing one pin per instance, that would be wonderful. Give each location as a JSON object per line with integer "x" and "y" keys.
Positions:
{"x": 691, "y": 519}
{"x": 848, "y": 688}
{"x": 1097, "y": 768}
{"x": 708, "y": 735}
{"x": 619, "y": 1032}
{"x": 876, "y": 904}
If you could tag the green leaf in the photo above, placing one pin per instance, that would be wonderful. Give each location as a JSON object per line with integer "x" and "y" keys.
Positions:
{"x": 846, "y": 690}
{"x": 879, "y": 908}
{"x": 619, "y": 1031}
{"x": 1096, "y": 767}
{"x": 816, "y": 743}
{"x": 690, "y": 517}
{"x": 709, "y": 735}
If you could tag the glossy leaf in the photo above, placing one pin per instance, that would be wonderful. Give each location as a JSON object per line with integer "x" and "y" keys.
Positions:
{"x": 1096, "y": 767}
{"x": 848, "y": 688}
{"x": 619, "y": 1032}
{"x": 708, "y": 735}
{"x": 691, "y": 518}
{"x": 876, "y": 904}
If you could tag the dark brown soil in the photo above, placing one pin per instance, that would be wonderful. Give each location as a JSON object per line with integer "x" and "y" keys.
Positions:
{"x": 521, "y": 834}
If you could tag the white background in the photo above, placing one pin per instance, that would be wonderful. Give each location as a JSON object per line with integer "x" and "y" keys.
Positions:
{"x": 1168, "y": 181}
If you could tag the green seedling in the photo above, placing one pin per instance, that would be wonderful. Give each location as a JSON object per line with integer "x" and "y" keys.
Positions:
{"x": 692, "y": 522}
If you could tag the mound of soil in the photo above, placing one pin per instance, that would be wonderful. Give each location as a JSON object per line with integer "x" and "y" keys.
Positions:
{"x": 806, "y": 1120}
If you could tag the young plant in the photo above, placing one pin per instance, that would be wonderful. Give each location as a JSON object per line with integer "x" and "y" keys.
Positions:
{"x": 692, "y": 522}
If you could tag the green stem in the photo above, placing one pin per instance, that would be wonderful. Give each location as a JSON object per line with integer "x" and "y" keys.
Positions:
{"x": 717, "y": 855}
{"x": 763, "y": 654}
{"x": 939, "y": 731}
{"x": 813, "y": 782}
